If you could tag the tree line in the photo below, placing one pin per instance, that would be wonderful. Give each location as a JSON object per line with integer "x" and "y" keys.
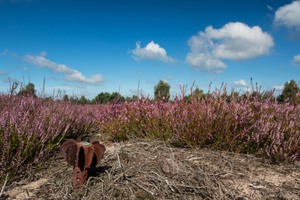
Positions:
{"x": 290, "y": 92}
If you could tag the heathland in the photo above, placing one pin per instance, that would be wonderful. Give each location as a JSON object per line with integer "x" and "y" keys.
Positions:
{"x": 181, "y": 131}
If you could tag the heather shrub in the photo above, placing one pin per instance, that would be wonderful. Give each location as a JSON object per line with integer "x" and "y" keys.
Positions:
{"x": 248, "y": 125}
{"x": 30, "y": 128}
{"x": 253, "y": 123}
{"x": 138, "y": 119}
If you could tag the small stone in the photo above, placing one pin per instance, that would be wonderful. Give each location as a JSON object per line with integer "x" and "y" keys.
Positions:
{"x": 168, "y": 166}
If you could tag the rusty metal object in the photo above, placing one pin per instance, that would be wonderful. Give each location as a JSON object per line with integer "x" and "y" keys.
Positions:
{"x": 81, "y": 155}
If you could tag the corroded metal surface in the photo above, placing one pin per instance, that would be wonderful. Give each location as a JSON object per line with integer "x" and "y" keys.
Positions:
{"x": 81, "y": 155}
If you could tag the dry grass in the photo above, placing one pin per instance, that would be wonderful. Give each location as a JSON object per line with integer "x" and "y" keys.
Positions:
{"x": 142, "y": 171}
{"x": 152, "y": 170}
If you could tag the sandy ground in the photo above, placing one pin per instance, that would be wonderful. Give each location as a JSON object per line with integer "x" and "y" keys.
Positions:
{"x": 152, "y": 170}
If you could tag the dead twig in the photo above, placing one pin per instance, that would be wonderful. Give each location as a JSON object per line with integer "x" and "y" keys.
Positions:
{"x": 4, "y": 184}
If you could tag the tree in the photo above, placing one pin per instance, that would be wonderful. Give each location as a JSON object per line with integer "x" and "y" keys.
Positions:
{"x": 66, "y": 97}
{"x": 133, "y": 98}
{"x": 231, "y": 96}
{"x": 73, "y": 99}
{"x": 105, "y": 97}
{"x": 116, "y": 97}
{"x": 83, "y": 100}
{"x": 29, "y": 90}
{"x": 196, "y": 94}
{"x": 289, "y": 92}
{"x": 102, "y": 98}
{"x": 162, "y": 91}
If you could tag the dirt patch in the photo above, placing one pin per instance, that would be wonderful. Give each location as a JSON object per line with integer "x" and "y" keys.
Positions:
{"x": 152, "y": 170}
{"x": 27, "y": 191}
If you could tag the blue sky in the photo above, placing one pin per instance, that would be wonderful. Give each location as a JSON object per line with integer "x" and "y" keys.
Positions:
{"x": 88, "y": 47}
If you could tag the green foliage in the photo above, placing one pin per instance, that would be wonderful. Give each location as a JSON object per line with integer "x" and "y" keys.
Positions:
{"x": 162, "y": 91}
{"x": 196, "y": 94}
{"x": 83, "y": 100}
{"x": 115, "y": 97}
{"x": 106, "y": 97}
{"x": 29, "y": 90}
{"x": 290, "y": 92}
{"x": 133, "y": 98}
{"x": 101, "y": 98}
{"x": 65, "y": 98}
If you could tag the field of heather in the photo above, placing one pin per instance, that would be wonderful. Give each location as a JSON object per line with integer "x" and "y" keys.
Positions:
{"x": 32, "y": 129}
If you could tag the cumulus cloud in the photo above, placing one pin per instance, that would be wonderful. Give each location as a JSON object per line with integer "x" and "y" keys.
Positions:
{"x": 70, "y": 74}
{"x": 234, "y": 41}
{"x": 296, "y": 59}
{"x": 205, "y": 61}
{"x": 270, "y": 7}
{"x": 3, "y": 73}
{"x": 288, "y": 16}
{"x": 152, "y": 51}
{"x": 240, "y": 83}
{"x": 279, "y": 87}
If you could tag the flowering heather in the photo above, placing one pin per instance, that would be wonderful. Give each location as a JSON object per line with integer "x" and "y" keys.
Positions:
{"x": 247, "y": 124}
{"x": 31, "y": 127}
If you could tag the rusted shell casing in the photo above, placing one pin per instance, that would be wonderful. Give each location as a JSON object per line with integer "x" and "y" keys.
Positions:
{"x": 82, "y": 156}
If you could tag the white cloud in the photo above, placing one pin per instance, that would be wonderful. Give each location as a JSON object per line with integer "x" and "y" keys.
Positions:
{"x": 11, "y": 80}
{"x": 205, "y": 61}
{"x": 43, "y": 53}
{"x": 3, "y": 73}
{"x": 70, "y": 74}
{"x": 296, "y": 59}
{"x": 239, "y": 41}
{"x": 270, "y": 7}
{"x": 151, "y": 51}
{"x": 240, "y": 83}
{"x": 279, "y": 88}
{"x": 288, "y": 16}
{"x": 234, "y": 41}
{"x": 4, "y": 52}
